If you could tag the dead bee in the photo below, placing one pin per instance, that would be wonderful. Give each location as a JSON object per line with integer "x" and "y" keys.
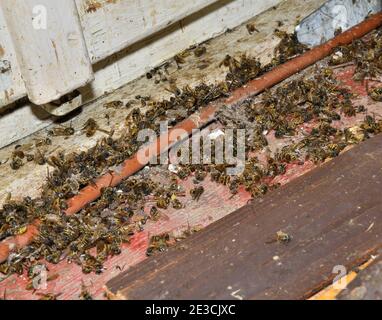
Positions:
{"x": 337, "y": 31}
{"x": 283, "y": 237}
{"x": 39, "y": 157}
{"x": 150, "y": 74}
{"x": 57, "y": 161}
{"x": 154, "y": 213}
{"x": 85, "y": 295}
{"x": 361, "y": 108}
{"x": 18, "y": 153}
{"x": 159, "y": 244}
{"x": 30, "y": 157}
{"x": 130, "y": 103}
{"x": 176, "y": 204}
{"x": 280, "y": 237}
{"x": 199, "y": 51}
{"x": 43, "y": 142}
{"x": 348, "y": 109}
{"x": 288, "y": 47}
{"x": 180, "y": 58}
{"x": 200, "y": 175}
{"x": 251, "y": 28}
{"x": 48, "y": 296}
{"x": 258, "y": 190}
{"x": 228, "y": 61}
{"x": 92, "y": 6}
{"x": 196, "y": 193}
{"x": 376, "y": 94}
{"x": 188, "y": 232}
{"x": 163, "y": 202}
{"x": 16, "y": 163}
{"x": 113, "y": 104}
{"x": 91, "y": 127}
{"x": 158, "y": 73}
{"x": 233, "y": 186}
{"x": 370, "y": 125}
{"x": 62, "y": 131}
{"x": 91, "y": 264}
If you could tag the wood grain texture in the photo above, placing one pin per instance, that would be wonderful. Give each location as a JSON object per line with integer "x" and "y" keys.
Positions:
{"x": 49, "y": 46}
{"x": 110, "y": 26}
{"x": 11, "y": 84}
{"x": 327, "y": 213}
{"x": 367, "y": 285}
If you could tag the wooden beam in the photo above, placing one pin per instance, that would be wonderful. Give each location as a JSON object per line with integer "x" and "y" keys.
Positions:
{"x": 111, "y": 26}
{"x": 328, "y": 213}
{"x": 49, "y": 46}
{"x": 367, "y": 285}
{"x": 12, "y": 85}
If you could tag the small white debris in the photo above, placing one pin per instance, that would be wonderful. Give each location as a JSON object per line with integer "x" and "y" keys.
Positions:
{"x": 119, "y": 191}
{"x": 236, "y": 295}
{"x": 216, "y": 134}
{"x": 337, "y": 55}
{"x": 370, "y": 227}
{"x": 276, "y": 258}
{"x": 265, "y": 132}
{"x": 173, "y": 168}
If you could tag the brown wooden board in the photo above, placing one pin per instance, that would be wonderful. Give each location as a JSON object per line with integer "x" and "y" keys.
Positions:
{"x": 333, "y": 214}
{"x": 367, "y": 285}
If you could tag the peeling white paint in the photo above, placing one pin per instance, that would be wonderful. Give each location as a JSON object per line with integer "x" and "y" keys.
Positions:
{"x": 49, "y": 63}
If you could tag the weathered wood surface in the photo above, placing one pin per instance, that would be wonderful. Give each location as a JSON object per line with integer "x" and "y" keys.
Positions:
{"x": 367, "y": 285}
{"x": 49, "y": 46}
{"x": 11, "y": 84}
{"x": 110, "y": 26}
{"x": 332, "y": 214}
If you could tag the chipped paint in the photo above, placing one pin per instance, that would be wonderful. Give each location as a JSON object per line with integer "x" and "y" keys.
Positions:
{"x": 5, "y": 77}
{"x": 94, "y": 5}
{"x": 55, "y": 50}
{"x": 48, "y": 64}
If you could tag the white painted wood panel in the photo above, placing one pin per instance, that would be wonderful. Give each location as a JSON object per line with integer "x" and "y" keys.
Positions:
{"x": 49, "y": 45}
{"x": 110, "y": 26}
{"x": 11, "y": 84}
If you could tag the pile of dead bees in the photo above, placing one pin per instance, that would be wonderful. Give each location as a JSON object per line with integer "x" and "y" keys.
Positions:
{"x": 98, "y": 231}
